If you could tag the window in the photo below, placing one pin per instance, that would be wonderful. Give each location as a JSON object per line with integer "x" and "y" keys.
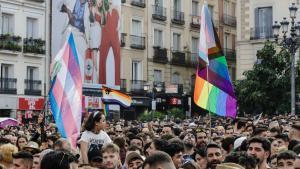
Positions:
{"x": 157, "y": 75}
{"x": 136, "y": 27}
{"x": 5, "y": 73}
{"x": 7, "y": 24}
{"x": 158, "y": 40}
{"x": 176, "y": 42}
{"x": 136, "y": 70}
{"x": 263, "y": 22}
{"x": 195, "y": 8}
{"x": 211, "y": 10}
{"x": 226, "y": 7}
{"x": 175, "y": 78}
{"x": 195, "y": 42}
{"x": 177, "y": 5}
{"x": 227, "y": 41}
{"x": 32, "y": 73}
{"x": 31, "y": 28}
{"x": 158, "y": 2}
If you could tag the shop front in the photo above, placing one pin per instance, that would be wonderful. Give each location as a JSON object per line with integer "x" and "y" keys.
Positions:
{"x": 29, "y": 108}
{"x": 138, "y": 106}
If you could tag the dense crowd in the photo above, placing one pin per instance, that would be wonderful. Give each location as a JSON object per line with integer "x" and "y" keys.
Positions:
{"x": 242, "y": 143}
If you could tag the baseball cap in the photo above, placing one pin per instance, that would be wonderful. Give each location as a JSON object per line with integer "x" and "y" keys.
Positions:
{"x": 132, "y": 155}
{"x": 238, "y": 142}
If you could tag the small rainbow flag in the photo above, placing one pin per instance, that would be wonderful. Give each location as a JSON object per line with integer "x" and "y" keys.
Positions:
{"x": 113, "y": 96}
{"x": 215, "y": 92}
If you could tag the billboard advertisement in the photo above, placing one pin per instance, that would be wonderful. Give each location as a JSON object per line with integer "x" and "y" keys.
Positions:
{"x": 95, "y": 26}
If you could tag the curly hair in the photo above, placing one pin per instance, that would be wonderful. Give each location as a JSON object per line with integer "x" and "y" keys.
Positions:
{"x": 6, "y": 152}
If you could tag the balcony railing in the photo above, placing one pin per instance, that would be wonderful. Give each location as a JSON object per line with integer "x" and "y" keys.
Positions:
{"x": 261, "y": 32}
{"x": 36, "y": 46}
{"x": 192, "y": 60}
{"x": 139, "y": 3}
{"x": 137, "y": 86}
{"x": 8, "y": 85}
{"x": 159, "y": 86}
{"x": 10, "y": 42}
{"x": 123, "y": 87}
{"x": 178, "y": 17}
{"x": 178, "y": 58}
{"x": 229, "y": 54}
{"x": 159, "y": 13}
{"x": 33, "y": 87}
{"x": 160, "y": 55}
{"x": 137, "y": 42}
{"x": 123, "y": 39}
{"x": 229, "y": 20}
{"x": 40, "y": 1}
{"x": 195, "y": 21}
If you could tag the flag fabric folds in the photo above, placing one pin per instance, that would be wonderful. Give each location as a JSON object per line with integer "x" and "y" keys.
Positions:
{"x": 214, "y": 93}
{"x": 114, "y": 96}
{"x": 66, "y": 92}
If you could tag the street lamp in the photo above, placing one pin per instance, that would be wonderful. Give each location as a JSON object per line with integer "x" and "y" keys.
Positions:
{"x": 289, "y": 43}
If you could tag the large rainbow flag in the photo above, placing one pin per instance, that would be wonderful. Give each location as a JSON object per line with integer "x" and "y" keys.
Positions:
{"x": 214, "y": 93}
{"x": 66, "y": 92}
{"x": 113, "y": 96}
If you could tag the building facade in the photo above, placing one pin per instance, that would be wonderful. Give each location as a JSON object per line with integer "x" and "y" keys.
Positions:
{"x": 159, "y": 42}
{"x": 22, "y": 58}
{"x": 255, "y": 19}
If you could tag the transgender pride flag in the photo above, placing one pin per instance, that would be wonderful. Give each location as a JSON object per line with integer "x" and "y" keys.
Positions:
{"x": 66, "y": 91}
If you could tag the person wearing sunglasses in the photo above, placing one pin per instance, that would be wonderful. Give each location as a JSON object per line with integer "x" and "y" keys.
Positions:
{"x": 93, "y": 137}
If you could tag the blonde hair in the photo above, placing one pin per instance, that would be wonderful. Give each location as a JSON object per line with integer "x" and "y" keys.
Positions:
{"x": 110, "y": 148}
{"x": 6, "y": 151}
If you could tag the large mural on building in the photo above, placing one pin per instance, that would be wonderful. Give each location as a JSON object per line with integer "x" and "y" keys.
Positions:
{"x": 95, "y": 25}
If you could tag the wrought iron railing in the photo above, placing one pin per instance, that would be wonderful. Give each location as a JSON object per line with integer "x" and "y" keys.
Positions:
{"x": 178, "y": 58}
{"x": 33, "y": 87}
{"x": 137, "y": 42}
{"x": 160, "y": 55}
{"x": 178, "y": 17}
{"x": 139, "y": 3}
{"x": 34, "y": 46}
{"x": 10, "y": 42}
{"x": 159, "y": 13}
{"x": 8, "y": 85}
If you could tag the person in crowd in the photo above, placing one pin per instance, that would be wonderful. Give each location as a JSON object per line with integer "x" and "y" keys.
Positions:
{"x": 36, "y": 161}
{"x": 286, "y": 160}
{"x": 110, "y": 155}
{"x": 261, "y": 131}
{"x": 62, "y": 144}
{"x": 297, "y": 162}
{"x": 175, "y": 150}
{"x": 202, "y": 138}
{"x": 189, "y": 142}
{"x": 167, "y": 130}
{"x": 294, "y": 132}
{"x": 260, "y": 148}
{"x": 21, "y": 142}
{"x": 241, "y": 158}
{"x": 228, "y": 144}
{"x": 214, "y": 155}
{"x": 58, "y": 160}
{"x": 273, "y": 161}
{"x": 134, "y": 160}
{"x": 137, "y": 141}
{"x": 158, "y": 160}
{"x": 6, "y": 151}
{"x": 22, "y": 160}
{"x": 157, "y": 145}
{"x": 94, "y": 136}
{"x": 199, "y": 157}
{"x": 32, "y": 147}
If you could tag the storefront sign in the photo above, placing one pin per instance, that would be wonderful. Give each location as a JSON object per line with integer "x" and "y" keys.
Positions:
{"x": 175, "y": 101}
{"x": 140, "y": 102}
{"x": 92, "y": 102}
{"x": 31, "y": 103}
{"x": 172, "y": 89}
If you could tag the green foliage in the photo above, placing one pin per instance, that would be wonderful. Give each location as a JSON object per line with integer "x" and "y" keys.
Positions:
{"x": 171, "y": 113}
{"x": 176, "y": 113}
{"x": 266, "y": 87}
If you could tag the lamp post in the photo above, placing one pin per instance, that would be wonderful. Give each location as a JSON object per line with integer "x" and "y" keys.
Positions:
{"x": 289, "y": 43}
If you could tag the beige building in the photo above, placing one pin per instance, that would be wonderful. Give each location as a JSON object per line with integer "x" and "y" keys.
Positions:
{"x": 255, "y": 19}
{"x": 22, "y": 57}
{"x": 160, "y": 44}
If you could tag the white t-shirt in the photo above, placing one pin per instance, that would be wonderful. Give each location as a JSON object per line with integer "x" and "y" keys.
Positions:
{"x": 97, "y": 139}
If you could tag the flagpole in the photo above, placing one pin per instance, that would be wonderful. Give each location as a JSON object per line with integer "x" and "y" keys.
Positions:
{"x": 209, "y": 115}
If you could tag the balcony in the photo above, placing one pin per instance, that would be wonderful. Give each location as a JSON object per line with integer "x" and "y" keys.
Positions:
{"x": 229, "y": 54}
{"x": 192, "y": 60}
{"x": 8, "y": 86}
{"x": 195, "y": 21}
{"x": 160, "y": 55}
{"x": 137, "y": 42}
{"x": 139, "y": 3}
{"x": 123, "y": 39}
{"x": 10, "y": 42}
{"x": 229, "y": 20}
{"x": 159, "y": 13}
{"x": 261, "y": 32}
{"x": 40, "y": 1}
{"x": 178, "y": 58}
{"x": 159, "y": 86}
{"x": 137, "y": 86}
{"x": 36, "y": 46}
{"x": 33, "y": 87}
{"x": 178, "y": 18}
{"x": 123, "y": 87}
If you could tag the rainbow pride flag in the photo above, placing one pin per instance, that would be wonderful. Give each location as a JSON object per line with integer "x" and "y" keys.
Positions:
{"x": 113, "y": 96}
{"x": 66, "y": 92}
{"x": 214, "y": 93}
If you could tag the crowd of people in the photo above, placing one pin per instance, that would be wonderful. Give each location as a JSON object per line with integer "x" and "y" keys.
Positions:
{"x": 242, "y": 143}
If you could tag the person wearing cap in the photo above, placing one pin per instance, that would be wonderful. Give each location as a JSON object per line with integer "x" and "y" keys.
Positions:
{"x": 32, "y": 147}
{"x": 133, "y": 160}
{"x": 22, "y": 160}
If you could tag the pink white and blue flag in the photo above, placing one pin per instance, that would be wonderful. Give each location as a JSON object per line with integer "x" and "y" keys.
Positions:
{"x": 66, "y": 91}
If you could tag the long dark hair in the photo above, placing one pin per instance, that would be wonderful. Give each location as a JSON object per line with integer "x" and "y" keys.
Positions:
{"x": 17, "y": 143}
{"x": 92, "y": 119}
